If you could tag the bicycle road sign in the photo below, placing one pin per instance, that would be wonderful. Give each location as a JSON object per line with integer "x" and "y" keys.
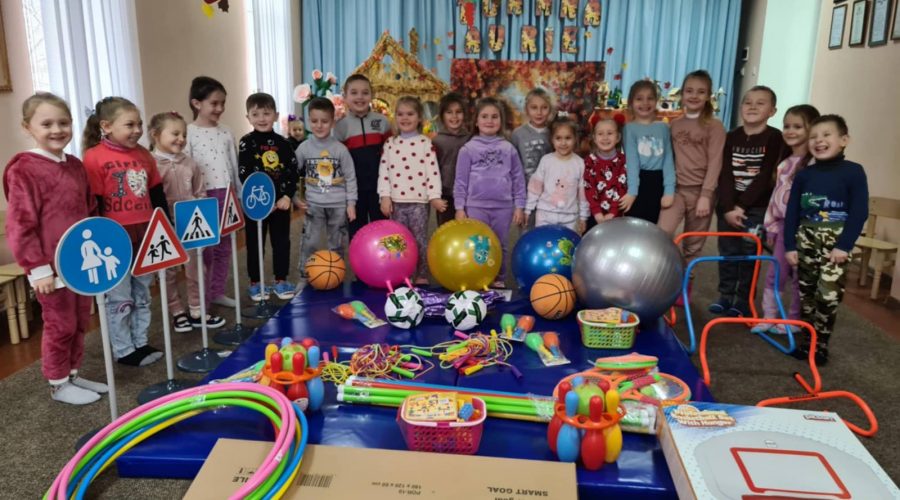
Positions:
{"x": 258, "y": 196}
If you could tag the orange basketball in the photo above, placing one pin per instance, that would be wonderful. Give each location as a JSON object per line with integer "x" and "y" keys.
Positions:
{"x": 325, "y": 270}
{"x": 552, "y": 296}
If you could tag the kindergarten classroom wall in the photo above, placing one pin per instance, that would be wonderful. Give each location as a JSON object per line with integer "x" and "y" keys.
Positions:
{"x": 14, "y": 139}
{"x": 178, "y": 43}
{"x": 861, "y": 84}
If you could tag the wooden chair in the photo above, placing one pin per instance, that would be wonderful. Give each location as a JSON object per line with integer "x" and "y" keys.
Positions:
{"x": 20, "y": 296}
{"x": 881, "y": 254}
{"x": 8, "y": 298}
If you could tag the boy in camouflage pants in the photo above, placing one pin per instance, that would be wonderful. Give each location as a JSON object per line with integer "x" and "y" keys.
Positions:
{"x": 826, "y": 211}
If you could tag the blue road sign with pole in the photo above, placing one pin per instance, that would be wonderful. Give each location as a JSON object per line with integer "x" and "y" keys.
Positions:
{"x": 258, "y": 196}
{"x": 93, "y": 256}
{"x": 197, "y": 222}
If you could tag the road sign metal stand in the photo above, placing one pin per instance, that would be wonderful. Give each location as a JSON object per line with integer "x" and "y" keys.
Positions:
{"x": 107, "y": 357}
{"x": 238, "y": 333}
{"x": 263, "y": 309}
{"x": 206, "y": 359}
{"x": 171, "y": 384}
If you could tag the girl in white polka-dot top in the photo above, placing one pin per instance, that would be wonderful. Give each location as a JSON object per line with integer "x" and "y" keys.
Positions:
{"x": 408, "y": 177}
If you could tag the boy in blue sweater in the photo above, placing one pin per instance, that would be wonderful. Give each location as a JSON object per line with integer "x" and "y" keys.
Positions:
{"x": 828, "y": 206}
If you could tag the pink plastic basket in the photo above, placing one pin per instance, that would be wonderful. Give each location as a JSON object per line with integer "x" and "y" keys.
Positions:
{"x": 443, "y": 437}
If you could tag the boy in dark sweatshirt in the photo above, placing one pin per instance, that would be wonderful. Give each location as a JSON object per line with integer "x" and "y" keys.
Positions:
{"x": 752, "y": 151}
{"x": 262, "y": 150}
{"x": 828, "y": 206}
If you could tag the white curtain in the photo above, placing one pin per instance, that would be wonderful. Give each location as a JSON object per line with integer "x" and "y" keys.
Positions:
{"x": 91, "y": 49}
{"x": 270, "y": 52}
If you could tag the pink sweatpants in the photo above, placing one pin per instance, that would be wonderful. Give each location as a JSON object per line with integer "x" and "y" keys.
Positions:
{"x": 66, "y": 317}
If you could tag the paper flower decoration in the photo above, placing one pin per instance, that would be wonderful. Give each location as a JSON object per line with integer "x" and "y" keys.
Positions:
{"x": 302, "y": 93}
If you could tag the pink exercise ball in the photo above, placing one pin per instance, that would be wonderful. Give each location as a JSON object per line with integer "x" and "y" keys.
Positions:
{"x": 383, "y": 252}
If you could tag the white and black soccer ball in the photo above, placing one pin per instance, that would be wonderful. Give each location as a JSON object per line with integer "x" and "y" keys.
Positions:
{"x": 404, "y": 308}
{"x": 465, "y": 310}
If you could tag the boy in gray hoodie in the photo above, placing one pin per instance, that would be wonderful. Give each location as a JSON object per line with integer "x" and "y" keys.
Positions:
{"x": 327, "y": 191}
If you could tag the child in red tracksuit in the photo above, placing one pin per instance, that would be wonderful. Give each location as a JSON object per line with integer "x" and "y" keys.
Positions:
{"x": 47, "y": 191}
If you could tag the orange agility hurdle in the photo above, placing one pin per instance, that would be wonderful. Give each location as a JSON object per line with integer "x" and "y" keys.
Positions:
{"x": 813, "y": 392}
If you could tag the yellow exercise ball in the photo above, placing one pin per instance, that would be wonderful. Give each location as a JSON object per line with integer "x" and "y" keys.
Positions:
{"x": 464, "y": 255}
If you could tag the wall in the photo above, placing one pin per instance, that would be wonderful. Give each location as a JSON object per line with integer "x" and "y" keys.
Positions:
{"x": 787, "y": 52}
{"x": 860, "y": 83}
{"x": 753, "y": 18}
{"x": 14, "y": 139}
{"x": 178, "y": 42}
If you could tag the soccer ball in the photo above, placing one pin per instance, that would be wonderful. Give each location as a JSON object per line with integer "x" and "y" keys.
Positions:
{"x": 404, "y": 308}
{"x": 465, "y": 310}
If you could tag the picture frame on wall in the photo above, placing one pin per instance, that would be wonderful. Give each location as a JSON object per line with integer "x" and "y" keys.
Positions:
{"x": 858, "y": 23}
{"x": 895, "y": 31}
{"x": 5, "y": 77}
{"x": 836, "y": 35}
{"x": 878, "y": 26}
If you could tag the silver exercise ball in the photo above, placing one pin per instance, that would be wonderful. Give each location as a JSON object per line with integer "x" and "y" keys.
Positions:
{"x": 628, "y": 263}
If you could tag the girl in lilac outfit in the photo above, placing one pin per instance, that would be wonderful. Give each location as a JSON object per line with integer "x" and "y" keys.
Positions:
{"x": 490, "y": 180}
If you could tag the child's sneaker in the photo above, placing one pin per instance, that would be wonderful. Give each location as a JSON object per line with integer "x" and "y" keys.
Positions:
{"x": 283, "y": 290}
{"x": 88, "y": 384}
{"x": 783, "y": 329}
{"x": 72, "y": 394}
{"x": 182, "y": 323}
{"x": 211, "y": 321}
{"x": 142, "y": 356}
{"x": 762, "y": 328}
{"x": 740, "y": 309}
{"x": 720, "y": 306}
{"x": 256, "y": 292}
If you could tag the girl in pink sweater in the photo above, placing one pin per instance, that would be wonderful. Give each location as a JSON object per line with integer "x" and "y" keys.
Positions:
{"x": 182, "y": 180}
{"x": 47, "y": 191}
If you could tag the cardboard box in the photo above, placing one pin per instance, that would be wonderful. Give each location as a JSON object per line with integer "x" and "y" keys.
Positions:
{"x": 736, "y": 452}
{"x": 336, "y": 473}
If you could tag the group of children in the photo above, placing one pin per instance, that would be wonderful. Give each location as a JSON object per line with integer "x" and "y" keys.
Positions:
{"x": 795, "y": 186}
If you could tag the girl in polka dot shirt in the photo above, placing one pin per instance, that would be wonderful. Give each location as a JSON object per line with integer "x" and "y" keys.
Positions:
{"x": 409, "y": 179}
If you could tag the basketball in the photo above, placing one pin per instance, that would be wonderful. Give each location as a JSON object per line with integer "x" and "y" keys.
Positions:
{"x": 552, "y": 296}
{"x": 325, "y": 270}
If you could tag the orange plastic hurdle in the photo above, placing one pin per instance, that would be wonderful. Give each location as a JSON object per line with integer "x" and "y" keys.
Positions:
{"x": 813, "y": 392}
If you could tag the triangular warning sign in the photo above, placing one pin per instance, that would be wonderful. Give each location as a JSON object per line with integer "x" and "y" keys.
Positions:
{"x": 160, "y": 248}
{"x": 232, "y": 215}
{"x": 197, "y": 228}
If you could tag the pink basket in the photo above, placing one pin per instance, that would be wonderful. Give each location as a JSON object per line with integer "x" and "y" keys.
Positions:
{"x": 443, "y": 437}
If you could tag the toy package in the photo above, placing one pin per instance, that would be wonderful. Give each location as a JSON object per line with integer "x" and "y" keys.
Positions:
{"x": 728, "y": 451}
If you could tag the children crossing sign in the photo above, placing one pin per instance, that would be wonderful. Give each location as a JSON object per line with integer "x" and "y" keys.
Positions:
{"x": 160, "y": 248}
{"x": 197, "y": 222}
{"x": 232, "y": 215}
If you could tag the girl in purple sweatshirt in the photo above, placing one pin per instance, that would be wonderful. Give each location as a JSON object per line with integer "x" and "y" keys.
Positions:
{"x": 490, "y": 180}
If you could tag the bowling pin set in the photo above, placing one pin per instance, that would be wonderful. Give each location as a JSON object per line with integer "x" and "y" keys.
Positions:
{"x": 585, "y": 422}
{"x": 293, "y": 368}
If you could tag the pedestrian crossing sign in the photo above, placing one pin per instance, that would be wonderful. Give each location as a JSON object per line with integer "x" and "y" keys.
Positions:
{"x": 160, "y": 249}
{"x": 197, "y": 222}
{"x": 232, "y": 215}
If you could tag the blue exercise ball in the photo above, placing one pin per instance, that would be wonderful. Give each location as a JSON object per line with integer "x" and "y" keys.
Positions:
{"x": 544, "y": 250}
